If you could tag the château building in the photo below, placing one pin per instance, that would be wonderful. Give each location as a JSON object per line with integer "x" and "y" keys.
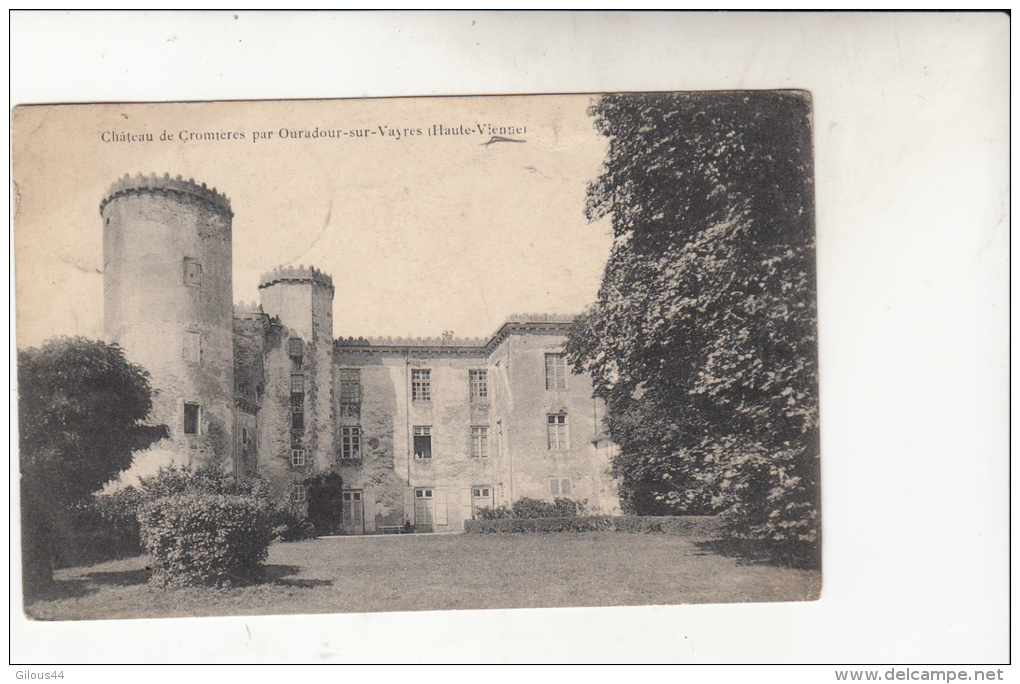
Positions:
{"x": 421, "y": 431}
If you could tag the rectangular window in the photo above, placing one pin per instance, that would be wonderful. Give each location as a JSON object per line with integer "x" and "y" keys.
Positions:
{"x": 297, "y": 493}
{"x": 559, "y": 486}
{"x": 481, "y": 492}
{"x": 296, "y": 346}
{"x": 421, "y": 384}
{"x": 192, "y": 418}
{"x": 297, "y": 384}
{"x": 423, "y": 441}
{"x": 558, "y": 436}
{"x": 192, "y": 273}
{"x": 350, "y": 443}
{"x": 350, "y": 386}
{"x": 192, "y": 346}
{"x": 479, "y": 386}
{"x": 297, "y": 458}
{"x": 480, "y": 441}
{"x": 297, "y": 421}
{"x": 555, "y": 372}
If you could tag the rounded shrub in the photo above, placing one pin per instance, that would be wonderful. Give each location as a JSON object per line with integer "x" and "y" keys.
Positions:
{"x": 289, "y": 525}
{"x": 561, "y": 507}
{"x": 493, "y": 513}
{"x": 202, "y": 538}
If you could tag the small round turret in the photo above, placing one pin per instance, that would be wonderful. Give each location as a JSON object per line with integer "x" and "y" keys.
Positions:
{"x": 299, "y": 371}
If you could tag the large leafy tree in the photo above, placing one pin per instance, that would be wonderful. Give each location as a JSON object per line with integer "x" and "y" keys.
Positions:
{"x": 81, "y": 407}
{"x": 703, "y": 339}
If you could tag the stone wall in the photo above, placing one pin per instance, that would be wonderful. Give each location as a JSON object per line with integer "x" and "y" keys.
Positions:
{"x": 518, "y": 461}
{"x": 378, "y": 475}
{"x": 528, "y": 466}
{"x": 390, "y": 473}
{"x": 167, "y": 301}
{"x": 300, "y": 302}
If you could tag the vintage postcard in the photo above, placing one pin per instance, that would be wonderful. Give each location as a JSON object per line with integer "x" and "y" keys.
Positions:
{"x": 416, "y": 354}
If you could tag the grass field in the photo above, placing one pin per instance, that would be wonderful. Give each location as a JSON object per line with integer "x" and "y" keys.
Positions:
{"x": 441, "y": 572}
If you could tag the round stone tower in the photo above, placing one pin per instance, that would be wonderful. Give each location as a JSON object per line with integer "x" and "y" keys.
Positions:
{"x": 167, "y": 295}
{"x": 296, "y": 419}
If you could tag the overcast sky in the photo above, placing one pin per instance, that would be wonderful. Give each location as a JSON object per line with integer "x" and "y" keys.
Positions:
{"x": 421, "y": 234}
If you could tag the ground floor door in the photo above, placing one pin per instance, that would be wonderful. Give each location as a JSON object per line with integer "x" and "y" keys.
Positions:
{"x": 424, "y": 510}
{"x": 354, "y": 512}
{"x": 481, "y": 497}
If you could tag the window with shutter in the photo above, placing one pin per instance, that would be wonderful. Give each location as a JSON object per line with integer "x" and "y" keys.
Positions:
{"x": 559, "y": 486}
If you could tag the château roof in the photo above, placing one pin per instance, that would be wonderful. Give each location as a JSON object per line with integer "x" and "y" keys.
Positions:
{"x": 548, "y": 324}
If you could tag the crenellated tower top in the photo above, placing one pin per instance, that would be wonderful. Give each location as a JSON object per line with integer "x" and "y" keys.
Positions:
{"x": 244, "y": 310}
{"x": 437, "y": 342}
{"x": 135, "y": 185}
{"x": 541, "y": 318}
{"x": 295, "y": 274}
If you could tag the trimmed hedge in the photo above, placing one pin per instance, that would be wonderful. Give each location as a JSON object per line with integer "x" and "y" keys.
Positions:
{"x": 526, "y": 507}
{"x": 106, "y": 526}
{"x": 199, "y": 538}
{"x": 700, "y": 526}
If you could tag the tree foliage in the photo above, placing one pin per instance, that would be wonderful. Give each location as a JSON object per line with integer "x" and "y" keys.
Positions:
{"x": 81, "y": 407}
{"x": 324, "y": 493}
{"x": 703, "y": 339}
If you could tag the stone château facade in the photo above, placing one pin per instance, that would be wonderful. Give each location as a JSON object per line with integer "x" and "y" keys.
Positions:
{"x": 422, "y": 431}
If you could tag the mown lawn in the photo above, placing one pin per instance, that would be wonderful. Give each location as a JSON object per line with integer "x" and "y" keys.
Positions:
{"x": 433, "y": 572}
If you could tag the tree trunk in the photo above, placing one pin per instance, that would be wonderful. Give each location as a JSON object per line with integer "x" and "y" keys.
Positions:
{"x": 36, "y": 549}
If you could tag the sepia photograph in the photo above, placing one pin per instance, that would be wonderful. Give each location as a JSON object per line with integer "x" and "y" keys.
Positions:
{"x": 516, "y": 337}
{"x": 293, "y": 369}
